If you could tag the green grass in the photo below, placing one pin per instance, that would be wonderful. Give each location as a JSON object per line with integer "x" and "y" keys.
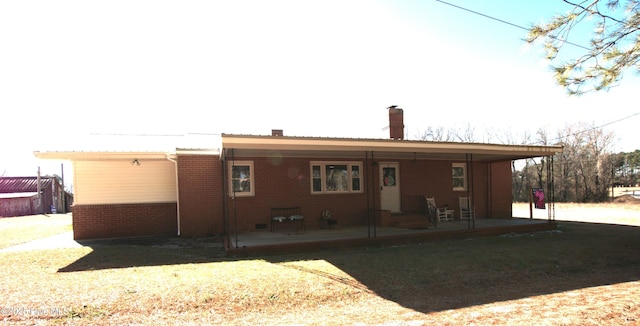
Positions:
{"x": 21, "y": 229}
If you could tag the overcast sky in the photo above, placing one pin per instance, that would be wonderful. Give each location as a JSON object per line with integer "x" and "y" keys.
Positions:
{"x": 311, "y": 68}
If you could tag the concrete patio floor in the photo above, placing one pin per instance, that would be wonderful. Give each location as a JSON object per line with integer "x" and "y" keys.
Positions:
{"x": 292, "y": 239}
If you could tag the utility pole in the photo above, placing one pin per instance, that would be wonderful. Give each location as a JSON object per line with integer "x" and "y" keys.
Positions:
{"x": 64, "y": 192}
{"x": 39, "y": 189}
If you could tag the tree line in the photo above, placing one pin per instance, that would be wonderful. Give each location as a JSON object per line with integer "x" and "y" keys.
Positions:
{"x": 585, "y": 171}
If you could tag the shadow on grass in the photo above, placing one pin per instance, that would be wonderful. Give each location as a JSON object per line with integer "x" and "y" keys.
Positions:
{"x": 148, "y": 251}
{"x": 447, "y": 275}
{"x": 432, "y": 276}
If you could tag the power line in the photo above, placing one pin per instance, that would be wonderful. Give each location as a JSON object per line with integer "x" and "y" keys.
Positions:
{"x": 567, "y": 42}
{"x": 597, "y": 127}
{"x": 504, "y": 22}
{"x": 483, "y": 15}
{"x": 621, "y": 119}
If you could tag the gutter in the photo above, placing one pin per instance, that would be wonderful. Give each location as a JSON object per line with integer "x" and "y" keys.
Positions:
{"x": 172, "y": 158}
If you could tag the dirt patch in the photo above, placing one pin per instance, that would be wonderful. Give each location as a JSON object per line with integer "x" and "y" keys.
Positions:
{"x": 627, "y": 199}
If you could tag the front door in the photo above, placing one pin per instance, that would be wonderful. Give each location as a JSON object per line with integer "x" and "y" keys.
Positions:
{"x": 390, "y": 186}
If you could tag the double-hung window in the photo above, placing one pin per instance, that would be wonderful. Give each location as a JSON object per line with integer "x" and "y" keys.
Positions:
{"x": 241, "y": 178}
{"x": 336, "y": 177}
{"x": 459, "y": 176}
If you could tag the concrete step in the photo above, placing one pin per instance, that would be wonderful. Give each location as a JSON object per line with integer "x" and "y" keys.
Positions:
{"x": 409, "y": 221}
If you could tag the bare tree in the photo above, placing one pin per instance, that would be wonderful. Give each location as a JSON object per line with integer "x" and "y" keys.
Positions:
{"x": 585, "y": 165}
{"x": 467, "y": 134}
{"x": 566, "y": 174}
{"x": 582, "y": 172}
{"x": 435, "y": 134}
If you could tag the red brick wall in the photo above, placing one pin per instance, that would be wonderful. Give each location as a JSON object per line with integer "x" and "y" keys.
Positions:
{"x": 428, "y": 178}
{"x": 482, "y": 190}
{"x": 200, "y": 195}
{"x": 491, "y": 185}
{"x": 124, "y": 220}
{"x": 501, "y": 195}
{"x": 284, "y": 182}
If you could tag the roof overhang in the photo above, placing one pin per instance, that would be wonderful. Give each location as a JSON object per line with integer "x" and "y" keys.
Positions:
{"x": 316, "y": 147}
{"x": 267, "y": 146}
{"x": 101, "y": 156}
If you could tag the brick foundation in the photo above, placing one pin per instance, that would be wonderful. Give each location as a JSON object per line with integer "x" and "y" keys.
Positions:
{"x": 200, "y": 184}
{"x": 124, "y": 220}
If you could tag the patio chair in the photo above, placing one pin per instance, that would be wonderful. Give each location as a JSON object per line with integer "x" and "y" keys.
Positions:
{"x": 441, "y": 213}
{"x": 466, "y": 209}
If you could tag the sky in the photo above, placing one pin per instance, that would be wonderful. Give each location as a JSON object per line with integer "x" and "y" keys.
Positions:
{"x": 69, "y": 69}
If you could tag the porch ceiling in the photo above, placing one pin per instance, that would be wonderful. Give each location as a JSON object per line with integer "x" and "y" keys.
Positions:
{"x": 268, "y": 146}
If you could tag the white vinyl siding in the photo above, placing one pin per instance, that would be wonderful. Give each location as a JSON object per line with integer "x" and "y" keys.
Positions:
{"x": 121, "y": 182}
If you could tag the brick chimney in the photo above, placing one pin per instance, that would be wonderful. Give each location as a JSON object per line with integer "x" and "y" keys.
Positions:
{"x": 277, "y": 132}
{"x": 396, "y": 123}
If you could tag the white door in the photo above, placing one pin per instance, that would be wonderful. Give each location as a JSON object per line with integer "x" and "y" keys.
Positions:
{"x": 390, "y": 186}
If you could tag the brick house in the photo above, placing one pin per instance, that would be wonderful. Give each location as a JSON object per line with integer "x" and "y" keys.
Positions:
{"x": 231, "y": 186}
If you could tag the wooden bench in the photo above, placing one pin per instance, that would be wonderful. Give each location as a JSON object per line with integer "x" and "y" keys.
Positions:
{"x": 281, "y": 215}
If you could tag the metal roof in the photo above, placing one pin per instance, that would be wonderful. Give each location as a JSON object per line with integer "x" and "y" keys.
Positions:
{"x": 288, "y": 146}
{"x": 23, "y": 184}
{"x": 265, "y": 146}
{"x": 134, "y": 146}
{"x": 98, "y": 155}
{"x": 18, "y": 195}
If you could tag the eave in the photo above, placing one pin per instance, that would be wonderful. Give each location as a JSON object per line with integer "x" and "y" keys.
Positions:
{"x": 266, "y": 146}
{"x": 101, "y": 156}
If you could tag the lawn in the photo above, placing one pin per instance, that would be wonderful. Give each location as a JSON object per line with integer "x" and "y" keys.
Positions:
{"x": 580, "y": 274}
{"x": 21, "y": 229}
{"x": 624, "y": 211}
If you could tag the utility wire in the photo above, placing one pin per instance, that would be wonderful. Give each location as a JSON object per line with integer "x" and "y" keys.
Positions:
{"x": 596, "y": 127}
{"x": 567, "y": 42}
{"x": 527, "y": 29}
{"x": 483, "y": 15}
{"x": 504, "y": 21}
{"x": 621, "y": 119}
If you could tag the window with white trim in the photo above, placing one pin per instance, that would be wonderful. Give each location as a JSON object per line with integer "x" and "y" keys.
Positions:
{"x": 241, "y": 178}
{"x": 336, "y": 177}
{"x": 459, "y": 176}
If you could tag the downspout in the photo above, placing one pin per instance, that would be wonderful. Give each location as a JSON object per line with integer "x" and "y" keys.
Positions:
{"x": 175, "y": 163}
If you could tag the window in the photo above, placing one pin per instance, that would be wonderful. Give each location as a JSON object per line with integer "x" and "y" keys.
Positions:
{"x": 241, "y": 178}
{"x": 459, "y": 176}
{"x": 336, "y": 177}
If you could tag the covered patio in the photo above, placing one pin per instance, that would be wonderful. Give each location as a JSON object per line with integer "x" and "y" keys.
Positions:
{"x": 294, "y": 171}
{"x": 291, "y": 239}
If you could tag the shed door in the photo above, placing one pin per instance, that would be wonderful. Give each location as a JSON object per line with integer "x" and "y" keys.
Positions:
{"x": 390, "y": 186}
